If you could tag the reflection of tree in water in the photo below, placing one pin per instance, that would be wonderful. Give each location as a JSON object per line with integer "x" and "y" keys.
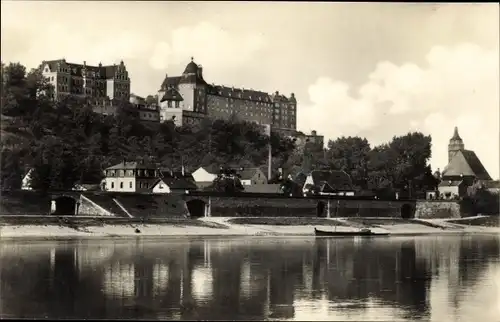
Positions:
{"x": 165, "y": 279}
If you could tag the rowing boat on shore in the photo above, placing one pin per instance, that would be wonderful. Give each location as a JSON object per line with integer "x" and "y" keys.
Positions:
{"x": 362, "y": 232}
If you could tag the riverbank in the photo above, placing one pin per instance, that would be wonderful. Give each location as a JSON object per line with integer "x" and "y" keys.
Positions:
{"x": 54, "y": 227}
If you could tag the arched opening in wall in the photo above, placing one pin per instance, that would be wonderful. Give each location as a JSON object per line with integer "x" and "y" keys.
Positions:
{"x": 65, "y": 206}
{"x": 320, "y": 209}
{"x": 406, "y": 211}
{"x": 196, "y": 208}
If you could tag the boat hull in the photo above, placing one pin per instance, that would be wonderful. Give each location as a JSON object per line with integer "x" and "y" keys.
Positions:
{"x": 322, "y": 233}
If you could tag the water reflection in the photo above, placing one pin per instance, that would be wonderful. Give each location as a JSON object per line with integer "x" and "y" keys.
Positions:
{"x": 425, "y": 278}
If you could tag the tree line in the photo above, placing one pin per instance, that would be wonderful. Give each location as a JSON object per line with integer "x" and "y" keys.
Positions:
{"x": 65, "y": 142}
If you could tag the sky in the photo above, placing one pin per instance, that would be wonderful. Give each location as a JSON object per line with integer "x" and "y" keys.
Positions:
{"x": 374, "y": 70}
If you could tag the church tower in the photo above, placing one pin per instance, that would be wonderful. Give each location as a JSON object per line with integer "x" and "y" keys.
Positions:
{"x": 456, "y": 144}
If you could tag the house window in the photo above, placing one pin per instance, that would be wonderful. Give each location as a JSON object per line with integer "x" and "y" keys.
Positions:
{"x": 160, "y": 186}
{"x": 145, "y": 185}
{"x": 130, "y": 185}
{"x": 112, "y": 185}
{"x": 121, "y": 185}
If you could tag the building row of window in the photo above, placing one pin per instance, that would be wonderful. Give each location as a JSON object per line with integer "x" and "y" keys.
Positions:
{"x": 149, "y": 115}
{"x": 130, "y": 185}
{"x": 131, "y": 173}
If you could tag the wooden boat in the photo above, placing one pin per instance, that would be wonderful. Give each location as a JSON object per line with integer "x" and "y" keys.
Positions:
{"x": 362, "y": 232}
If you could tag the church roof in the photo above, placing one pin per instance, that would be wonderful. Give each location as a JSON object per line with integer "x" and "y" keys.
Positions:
{"x": 191, "y": 68}
{"x": 456, "y": 136}
{"x": 466, "y": 163}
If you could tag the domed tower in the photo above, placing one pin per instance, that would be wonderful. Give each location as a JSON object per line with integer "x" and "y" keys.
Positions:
{"x": 192, "y": 87}
{"x": 456, "y": 144}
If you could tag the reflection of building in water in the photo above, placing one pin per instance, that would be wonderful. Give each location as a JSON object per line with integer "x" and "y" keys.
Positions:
{"x": 201, "y": 283}
{"x": 307, "y": 278}
{"x": 281, "y": 292}
{"x": 246, "y": 279}
{"x": 90, "y": 257}
{"x": 119, "y": 280}
{"x": 160, "y": 278}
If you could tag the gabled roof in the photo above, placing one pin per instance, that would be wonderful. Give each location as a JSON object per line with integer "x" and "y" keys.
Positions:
{"x": 171, "y": 95}
{"x": 176, "y": 183}
{"x": 248, "y": 173}
{"x": 337, "y": 180}
{"x": 168, "y": 173}
{"x": 131, "y": 165}
{"x": 104, "y": 72}
{"x": 170, "y": 82}
{"x": 466, "y": 163}
{"x": 239, "y": 93}
{"x": 450, "y": 183}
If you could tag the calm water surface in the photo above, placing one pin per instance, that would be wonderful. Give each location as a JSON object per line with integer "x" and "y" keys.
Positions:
{"x": 392, "y": 279}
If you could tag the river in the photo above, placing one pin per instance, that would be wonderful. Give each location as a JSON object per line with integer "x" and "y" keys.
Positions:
{"x": 388, "y": 279}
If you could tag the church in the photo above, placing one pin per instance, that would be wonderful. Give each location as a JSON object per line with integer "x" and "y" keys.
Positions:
{"x": 463, "y": 170}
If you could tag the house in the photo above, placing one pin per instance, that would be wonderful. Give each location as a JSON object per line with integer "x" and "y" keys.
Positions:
{"x": 172, "y": 185}
{"x": 174, "y": 181}
{"x": 327, "y": 182}
{"x": 452, "y": 189}
{"x": 130, "y": 177}
{"x": 26, "y": 182}
{"x": 204, "y": 176}
{"x": 252, "y": 176}
{"x": 464, "y": 168}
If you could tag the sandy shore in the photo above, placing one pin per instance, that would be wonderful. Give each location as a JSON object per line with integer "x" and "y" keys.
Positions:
{"x": 225, "y": 228}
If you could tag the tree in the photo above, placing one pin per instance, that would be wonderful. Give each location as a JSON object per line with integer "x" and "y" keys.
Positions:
{"x": 228, "y": 182}
{"x": 350, "y": 154}
{"x": 291, "y": 188}
{"x": 11, "y": 171}
{"x": 54, "y": 166}
{"x": 480, "y": 200}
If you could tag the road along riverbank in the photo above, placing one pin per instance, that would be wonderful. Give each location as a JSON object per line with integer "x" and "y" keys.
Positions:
{"x": 49, "y": 227}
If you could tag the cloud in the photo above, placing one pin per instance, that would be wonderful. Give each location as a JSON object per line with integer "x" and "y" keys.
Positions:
{"x": 459, "y": 86}
{"x": 208, "y": 43}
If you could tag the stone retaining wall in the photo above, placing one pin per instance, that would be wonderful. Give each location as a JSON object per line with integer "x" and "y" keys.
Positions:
{"x": 430, "y": 209}
{"x": 248, "y": 206}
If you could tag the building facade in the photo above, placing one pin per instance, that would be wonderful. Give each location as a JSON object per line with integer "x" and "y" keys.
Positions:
{"x": 130, "y": 177}
{"x": 189, "y": 97}
{"x": 146, "y": 112}
{"x": 100, "y": 81}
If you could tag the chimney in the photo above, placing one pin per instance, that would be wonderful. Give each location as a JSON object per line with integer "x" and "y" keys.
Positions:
{"x": 84, "y": 63}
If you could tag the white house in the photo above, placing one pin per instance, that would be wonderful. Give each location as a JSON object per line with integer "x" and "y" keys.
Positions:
{"x": 25, "y": 184}
{"x": 205, "y": 175}
{"x": 173, "y": 185}
{"x": 130, "y": 177}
